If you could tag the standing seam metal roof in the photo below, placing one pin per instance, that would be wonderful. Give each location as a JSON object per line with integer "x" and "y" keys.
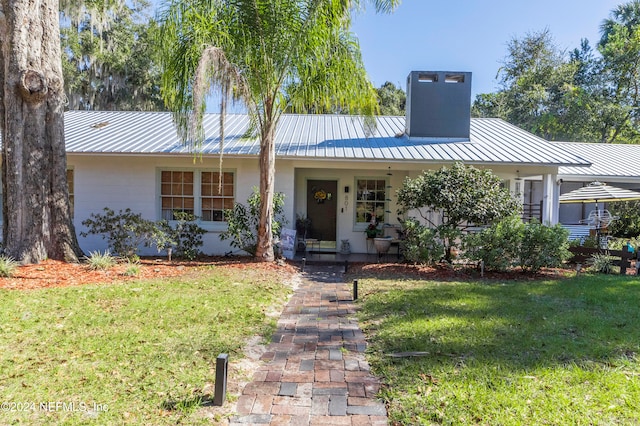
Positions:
{"x": 607, "y": 160}
{"x": 338, "y": 137}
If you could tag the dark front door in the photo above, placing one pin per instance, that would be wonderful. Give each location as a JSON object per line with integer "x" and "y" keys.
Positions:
{"x": 322, "y": 209}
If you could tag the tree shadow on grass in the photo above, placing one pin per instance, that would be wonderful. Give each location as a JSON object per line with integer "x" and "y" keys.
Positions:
{"x": 519, "y": 325}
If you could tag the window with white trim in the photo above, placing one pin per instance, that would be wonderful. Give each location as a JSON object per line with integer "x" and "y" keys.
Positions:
{"x": 371, "y": 199}
{"x": 197, "y": 192}
{"x": 216, "y": 198}
{"x": 176, "y": 193}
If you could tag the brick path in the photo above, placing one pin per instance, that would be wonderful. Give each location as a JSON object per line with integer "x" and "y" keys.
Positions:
{"x": 315, "y": 373}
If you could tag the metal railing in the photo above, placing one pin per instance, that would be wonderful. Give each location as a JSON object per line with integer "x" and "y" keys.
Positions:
{"x": 532, "y": 211}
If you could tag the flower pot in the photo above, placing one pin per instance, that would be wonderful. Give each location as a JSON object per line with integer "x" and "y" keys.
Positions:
{"x": 382, "y": 244}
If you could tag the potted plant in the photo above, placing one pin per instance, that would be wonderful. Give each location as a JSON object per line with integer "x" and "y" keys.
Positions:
{"x": 303, "y": 224}
{"x": 372, "y": 230}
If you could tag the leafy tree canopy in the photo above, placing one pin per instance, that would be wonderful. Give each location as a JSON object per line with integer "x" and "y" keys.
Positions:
{"x": 464, "y": 195}
{"x": 585, "y": 94}
{"x": 536, "y": 81}
{"x": 391, "y": 99}
{"x": 107, "y": 53}
{"x": 628, "y": 223}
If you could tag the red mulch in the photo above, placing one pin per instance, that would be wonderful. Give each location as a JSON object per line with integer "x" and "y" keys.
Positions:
{"x": 448, "y": 272}
{"x": 54, "y": 273}
{"x": 461, "y": 272}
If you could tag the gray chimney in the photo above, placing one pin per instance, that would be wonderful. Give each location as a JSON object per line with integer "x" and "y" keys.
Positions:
{"x": 438, "y": 104}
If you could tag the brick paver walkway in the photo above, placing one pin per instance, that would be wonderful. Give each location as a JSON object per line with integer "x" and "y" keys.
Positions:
{"x": 316, "y": 373}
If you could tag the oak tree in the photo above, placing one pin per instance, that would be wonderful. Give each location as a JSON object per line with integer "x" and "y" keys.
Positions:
{"x": 37, "y": 221}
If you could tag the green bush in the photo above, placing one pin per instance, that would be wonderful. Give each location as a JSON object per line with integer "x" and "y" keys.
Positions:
{"x": 462, "y": 196}
{"x": 590, "y": 242}
{"x": 543, "y": 246}
{"x": 7, "y": 266}
{"x": 619, "y": 243}
{"x": 124, "y": 231}
{"x": 602, "y": 263}
{"x": 101, "y": 261}
{"x": 186, "y": 236}
{"x": 510, "y": 242}
{"x": 421, "y": 244}
{"x": 243, "y": 222}
{"x": 497, "y": 245}
{"x": 628, "y": 223}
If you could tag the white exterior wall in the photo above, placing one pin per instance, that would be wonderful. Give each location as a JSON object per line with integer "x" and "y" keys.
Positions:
{"x": 346, "y": 214}
{"x": 121, "y": 182}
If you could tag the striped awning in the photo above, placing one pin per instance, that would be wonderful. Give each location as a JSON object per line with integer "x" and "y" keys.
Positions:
{"x": 596, "y": 192}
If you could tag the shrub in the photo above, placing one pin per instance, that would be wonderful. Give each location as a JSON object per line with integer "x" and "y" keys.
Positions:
{"x": 101, "y": 261}
{"x": 497, "y": 245}
{"x": 133, "y": 268}
{"x": 187, "y": 236}
{"x": 421, "y": 244}
{"x": 510, "y": 242}
{"x": 602, "y": 263}
{"x": 462, "y": 195}
{"x": 543, "y": 246}
{"x": 243, "y": 222}
{"x": 590, "y": 242}
{"x": 619, "y": 243}
{"x": 124, "y": 231}
{"x": 7, "y": 266}
{"x": 628, "y": 223}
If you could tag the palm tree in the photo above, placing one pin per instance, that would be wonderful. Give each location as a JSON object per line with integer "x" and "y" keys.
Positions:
{"x": 274, "y": 56}
{"x": 625, "y": 15}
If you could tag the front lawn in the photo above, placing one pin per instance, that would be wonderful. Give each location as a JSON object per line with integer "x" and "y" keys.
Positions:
{"x": 140, "y": 352}
{"x": 561, "y": 352}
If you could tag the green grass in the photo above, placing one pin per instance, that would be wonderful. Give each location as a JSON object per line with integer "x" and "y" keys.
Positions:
{"x": 144, "y": 352}
{"x": 563, "y": 352}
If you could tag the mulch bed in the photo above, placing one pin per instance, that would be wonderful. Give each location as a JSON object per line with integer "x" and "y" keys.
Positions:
{"x": 450, "y": 273}
{"x": 54, "y": 273}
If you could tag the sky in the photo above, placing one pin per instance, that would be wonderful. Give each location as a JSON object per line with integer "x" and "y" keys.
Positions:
{"x": 468, "y": 35}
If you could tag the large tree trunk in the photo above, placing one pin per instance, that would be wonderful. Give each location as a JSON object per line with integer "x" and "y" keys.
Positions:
{"x": 37, "y": 221}
{"x": 264, "y": 249}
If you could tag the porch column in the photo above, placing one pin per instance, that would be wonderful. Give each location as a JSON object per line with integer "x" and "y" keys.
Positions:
{"x": 550, "y": 199}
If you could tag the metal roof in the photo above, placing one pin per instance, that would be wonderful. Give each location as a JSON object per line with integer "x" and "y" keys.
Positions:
{"x": 607, "y": 160}
{"x": 338, "y": 137}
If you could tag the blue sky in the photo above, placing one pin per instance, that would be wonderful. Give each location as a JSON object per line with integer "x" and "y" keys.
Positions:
{"x": 468, "y": 35}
